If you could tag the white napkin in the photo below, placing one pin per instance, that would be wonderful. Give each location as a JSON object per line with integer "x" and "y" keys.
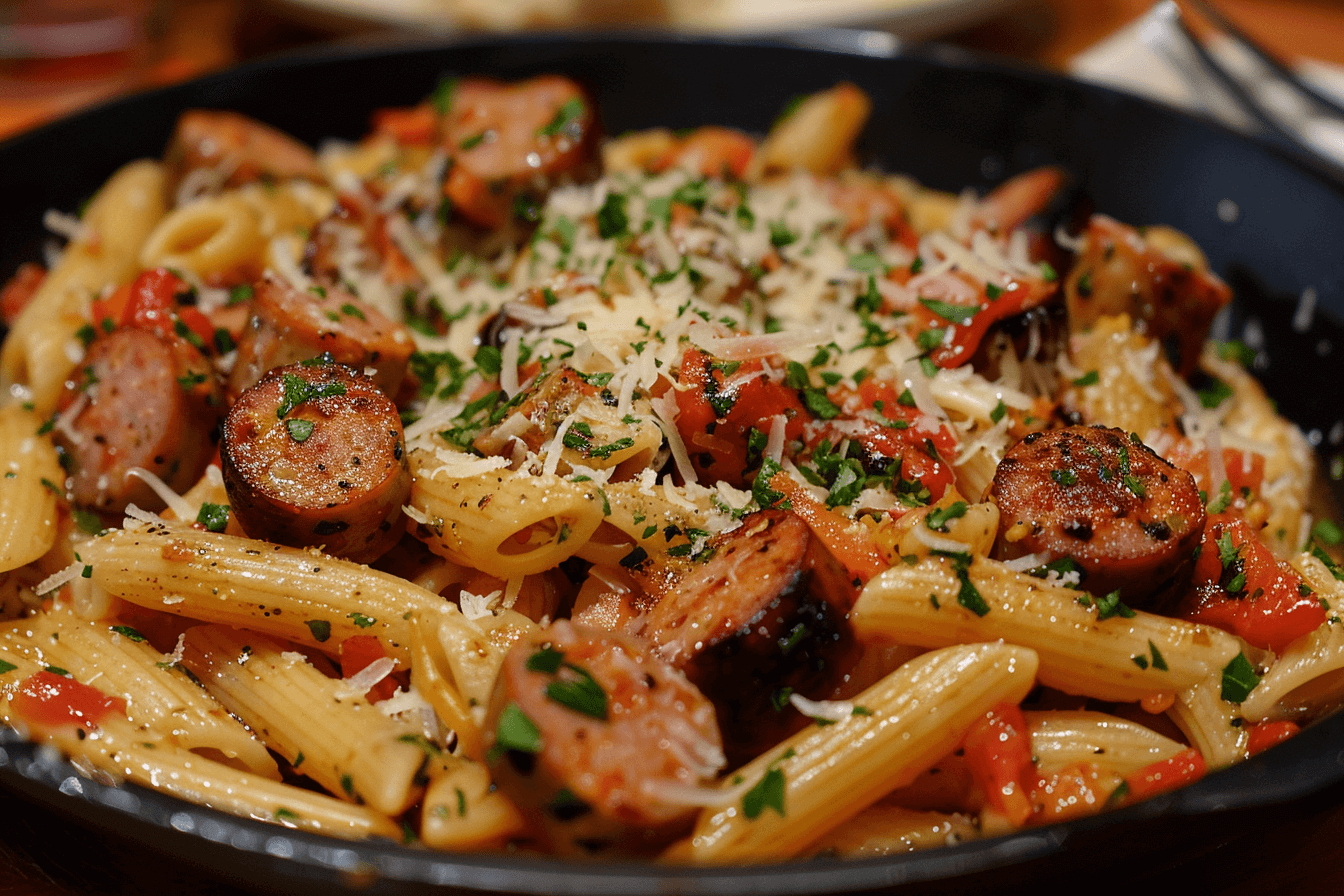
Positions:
{"x": 1151, "y": 58}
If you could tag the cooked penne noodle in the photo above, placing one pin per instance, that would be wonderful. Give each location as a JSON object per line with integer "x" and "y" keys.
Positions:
{"x": 299, "y": 595}
{"x": 831, "y": 773}
{"x": 28, "y": 486}
{"x": 1079, "y": 654}
{"x": 890, "y": 830}
{"x": 1210, "y": 722}
{"x": 463, "y": 811}
{"x": 321, "y": 726}
{"x": 133, "y": 754}
{"x": 42, "y": 348}
{"x": 501, "y": 522}
{"x": 211, "y": 236}
{"x": 1307, "y": 677}
{"x": 1060, "y": 738}
{"x": 118, "y": 660}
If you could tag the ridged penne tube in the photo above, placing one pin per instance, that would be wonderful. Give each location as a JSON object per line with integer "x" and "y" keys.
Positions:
{"x": 20, "y": 658}
{"x": 133, "y": 754}
{"x": 42, "y": 347}
{"x": 831, "y": 773}
{"x": 1061, "y": 737}
{"x": 433, "y": 679}
{"x": 1114, "y": 659}
{"x": 1307, "y": 677}
{"x": 321, "y": 726}
{"x": 889, "y": 830}
{"x": 158, "y": 694}
{"x": 817, "y": 135}
{"x": 461, "y": 809}
{"x": 1207, "y": 720}
{"x": 1288, "y": 456}
{"x": 213, "y": 235}
{"x": 644, "y": 519}
{"x": 290, "y": 593}
{"x": 474, "y": 650}
{"x": 502, "y": 522}
{"x": 30, "y": 476}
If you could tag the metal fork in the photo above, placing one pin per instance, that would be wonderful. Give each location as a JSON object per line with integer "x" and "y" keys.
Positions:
{"x": 1274, "y": 124}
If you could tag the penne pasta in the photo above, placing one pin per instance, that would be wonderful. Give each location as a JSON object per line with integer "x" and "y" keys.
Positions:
{"x": 42, "y": 347}
{"x": 300, "y": 595}
{"x": 924, "y": 605}
{"x": 28, "y": 489}
{"x": 826, "y": 775}
{"x": 323, "y": 727}
{"x": 130, "y": 754}
{"x": 729, "y": 504}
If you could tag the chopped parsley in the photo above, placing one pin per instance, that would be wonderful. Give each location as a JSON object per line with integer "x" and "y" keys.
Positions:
{"x": 297, "y": 390}
{"x": 515, "y": 731}
{"x": 956, "y": 314}
{"x": 1239, "y": 679}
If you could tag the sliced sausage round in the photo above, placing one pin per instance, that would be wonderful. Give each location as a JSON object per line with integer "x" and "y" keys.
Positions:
{"x": 1126, "y": 516}
{"x": 241, "y": 148}
{"x": 594, "y": 736}
{"x": 140, "y": 399}
{"x": 288, "y": 325}
{"x": 753, "y": 623}
{"x": 314, "y": 455}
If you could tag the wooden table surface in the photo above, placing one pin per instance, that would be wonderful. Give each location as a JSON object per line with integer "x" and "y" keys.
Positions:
{"x": 1299, "y": 852}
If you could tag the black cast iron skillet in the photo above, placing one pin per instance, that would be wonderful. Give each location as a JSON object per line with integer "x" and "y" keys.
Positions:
{"x": 1269, "y": 223}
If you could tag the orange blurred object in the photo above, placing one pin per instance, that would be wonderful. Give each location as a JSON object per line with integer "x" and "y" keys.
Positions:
{"x": 59, "y": 55}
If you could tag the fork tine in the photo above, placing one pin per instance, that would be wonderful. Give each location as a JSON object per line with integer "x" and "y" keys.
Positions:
{"x": 1249, "y": 44}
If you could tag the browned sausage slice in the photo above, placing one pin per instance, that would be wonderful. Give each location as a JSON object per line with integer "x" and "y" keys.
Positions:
{"x": 242, "y": 148}
{"x": 314, "y": 455}
{"x": 593, "y": 735}
{"x": 1129, "y": 518}
{"x": 140, "y": 399}
{"x": 289, "y": 325}
{"x": 754, "y": 623}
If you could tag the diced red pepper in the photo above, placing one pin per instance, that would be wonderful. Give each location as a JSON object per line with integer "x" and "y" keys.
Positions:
{"x": 1265, "y": 735}
{"x": 357, "y": 653}
{"x": 966, "y": 334}
{"x": 46, "y": 699}
{"x": 1184, "y": 768}
{"x": 717, "y": 442}
{"x": 151, "y": 303}
{"x": 1241, "y": 587}
{"x": 998, "y": 752}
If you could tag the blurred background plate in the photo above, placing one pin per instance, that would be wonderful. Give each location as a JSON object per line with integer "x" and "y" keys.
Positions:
{"x": 907, "y": 18}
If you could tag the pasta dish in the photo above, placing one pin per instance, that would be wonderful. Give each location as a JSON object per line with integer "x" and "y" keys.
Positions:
{"x": 490, "y": 484}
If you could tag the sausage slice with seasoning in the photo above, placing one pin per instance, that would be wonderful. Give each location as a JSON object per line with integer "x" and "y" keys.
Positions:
{"x": 753, "y": 621}
{"x": 595, "y": 738}
{"x": 239, "y": 148}
{"x": 289, "y": 324}
{"x": 314, "y": 455}
{"x": 1126, "y": 516}
{"x": 140, "y": 399}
